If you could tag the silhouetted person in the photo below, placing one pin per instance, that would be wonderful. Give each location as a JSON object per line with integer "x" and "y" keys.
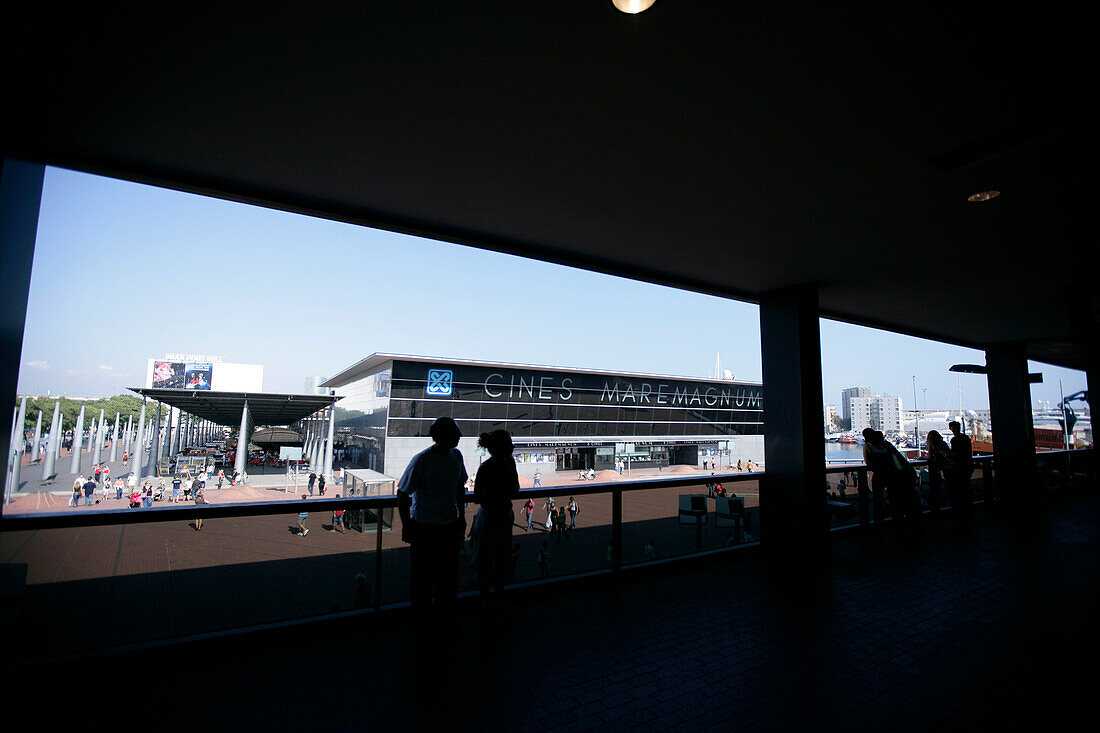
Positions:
{"x": 891, "y": 473}
{"x": 431, "y": 496}
{"x": 962, "y": 466}
{"x": 496, "y": 484}
{"x": 939, "y": 468}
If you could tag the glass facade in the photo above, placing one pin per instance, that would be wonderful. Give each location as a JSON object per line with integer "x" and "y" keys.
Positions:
{"x": 558, "y": 406}
{"x": 361, "y": 419}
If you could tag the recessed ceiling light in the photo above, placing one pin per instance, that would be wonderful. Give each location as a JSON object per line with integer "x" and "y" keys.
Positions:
{"x": 632, "y": 6}
{"x": 984, "y": 196}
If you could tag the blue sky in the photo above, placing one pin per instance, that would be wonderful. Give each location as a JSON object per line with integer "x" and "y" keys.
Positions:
{"x": 124, "y": 272}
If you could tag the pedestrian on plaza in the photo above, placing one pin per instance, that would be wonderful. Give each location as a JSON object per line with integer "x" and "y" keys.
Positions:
{"x": 106, "y": 474}
{"x": 549, "y": 505}
{"x": 78, "y": 489}
{"x": 302, "y": 517}
{"x": 496, "y": 485}
{"x": 544, "y": 560}
{"x": 562, "y": 524}
{"x": 135, "y": 498}
{"x": 244, "y": 477}
{"x": 431, "y": 497}
{"x": 106, "y": 489}
{"x": 97, "y": 472}
{"x": 125, "y": 459}
{"x": 337, "y": 519}
{"x": 650, "y": 551}
{"x": 89, "y": 491}
{"x": 321, "y": 484}
{"x": 312, "y": 481}
{"x": 538, "y": 478}
{"x": 200, "y": 498}
{"x": 529, "y": 510}
{"x": 362, "y": 592}
{"x": 202, "y": 478}
{"x": 195, "y": 486}
{"x": 119, "y": 486}
{"x": 574, "y": 510}
{"x": 962, "y": 467}
{"x": 177, "y": 484}
{"x": 147, "y": 495}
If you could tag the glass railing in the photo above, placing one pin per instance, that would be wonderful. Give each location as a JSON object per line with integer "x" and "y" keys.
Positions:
{"x": 84, "y": 580}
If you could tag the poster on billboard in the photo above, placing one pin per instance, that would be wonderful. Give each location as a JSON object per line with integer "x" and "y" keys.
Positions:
{"x": 198, "y": 375}
{"x": 169, "y": 374}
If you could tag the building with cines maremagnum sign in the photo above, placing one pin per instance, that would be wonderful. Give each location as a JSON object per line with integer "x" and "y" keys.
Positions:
{"x": 560, "y": 419}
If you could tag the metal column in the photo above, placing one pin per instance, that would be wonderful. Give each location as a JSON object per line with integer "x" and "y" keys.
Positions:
{"x": 55, "y": 436}
{"x": 240, "y": 464}
{"x": 138, "y": 457}
{"x": 78, "y": 439}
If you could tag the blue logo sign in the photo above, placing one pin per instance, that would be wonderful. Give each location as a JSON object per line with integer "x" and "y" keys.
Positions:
{"x": 440, "y": 382}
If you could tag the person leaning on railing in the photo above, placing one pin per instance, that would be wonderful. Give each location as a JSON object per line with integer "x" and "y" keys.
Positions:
{"x": 431, "y": 494}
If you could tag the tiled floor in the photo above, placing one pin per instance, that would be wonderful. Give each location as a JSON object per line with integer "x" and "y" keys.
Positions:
{"x": 958, "y": 628}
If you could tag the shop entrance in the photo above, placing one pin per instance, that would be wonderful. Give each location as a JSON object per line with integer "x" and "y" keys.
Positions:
{"x": 576, "y": 459}
{"x": 683, "y": 455}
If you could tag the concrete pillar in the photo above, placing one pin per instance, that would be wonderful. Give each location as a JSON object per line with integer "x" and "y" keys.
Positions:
{"x": 793, "y": 512}
{"x": 60, "y": 437}
{"x": 55, "y": 437}
{"x": 114, "y": 439}
{"x": 20, "y": 199}
{"x": 78, "y": 440}
{"x": 1014, "y": 467}
{"x": 240, "y": 464}
{"x": 126, "y": 437}
{"x": 37, "y": 437}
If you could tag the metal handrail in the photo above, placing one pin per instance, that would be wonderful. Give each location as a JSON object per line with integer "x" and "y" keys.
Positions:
{"x": 69, "y": 519}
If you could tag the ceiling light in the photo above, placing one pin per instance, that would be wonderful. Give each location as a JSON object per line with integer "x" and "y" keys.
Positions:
{"x": 984, "y": 196}
{"x": 632, "y": 6}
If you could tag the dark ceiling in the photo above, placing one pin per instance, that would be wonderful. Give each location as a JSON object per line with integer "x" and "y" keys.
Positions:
{"x": 727, "y": 147}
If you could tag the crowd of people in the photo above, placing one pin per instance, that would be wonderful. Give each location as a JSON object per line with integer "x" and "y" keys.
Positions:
{"x": 895, "y": 481}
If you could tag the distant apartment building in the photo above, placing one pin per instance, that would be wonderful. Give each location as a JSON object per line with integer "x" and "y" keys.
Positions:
{"x": 830, "y": 418}
{"x": 881, "y": 412}
{"x": 859, "y": 411}
{"x": 886, "y": 411}
{"x": 847, "y": 395}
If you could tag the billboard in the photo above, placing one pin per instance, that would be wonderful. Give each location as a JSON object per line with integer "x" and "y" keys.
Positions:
{"x": 168, "y": 374}
{"x": 203, "y": 374}
{"x": 199, "y": 375}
